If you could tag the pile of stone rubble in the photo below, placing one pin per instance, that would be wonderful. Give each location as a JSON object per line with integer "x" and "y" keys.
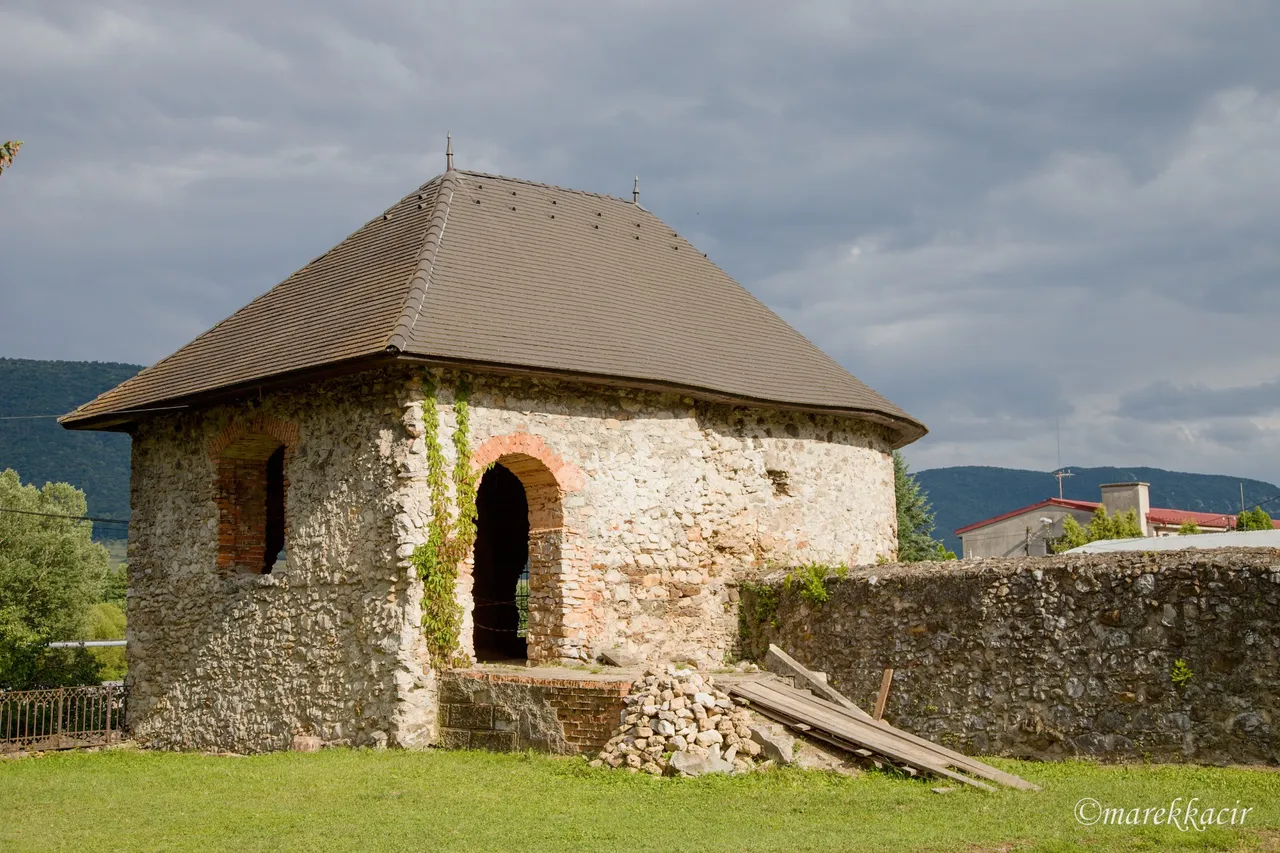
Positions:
{"x": 678, "y": 723}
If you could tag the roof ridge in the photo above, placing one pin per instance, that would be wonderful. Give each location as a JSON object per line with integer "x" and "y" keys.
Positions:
{"x": 420, "y": 280}
{"x": 529, "y": 183}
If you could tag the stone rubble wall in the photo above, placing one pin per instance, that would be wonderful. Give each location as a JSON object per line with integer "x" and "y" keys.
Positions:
{"x": 662, "y": 505}
{"x": 242, "y": 661}
{"x": 1053, "y": 657}
{"x": 673, "y": 503}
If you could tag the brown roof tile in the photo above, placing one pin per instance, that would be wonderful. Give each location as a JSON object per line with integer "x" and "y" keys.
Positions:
{"x": 484, "y": 270}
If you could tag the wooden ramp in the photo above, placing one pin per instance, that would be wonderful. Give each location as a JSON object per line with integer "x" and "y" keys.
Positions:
{"x": 851, "y": 729}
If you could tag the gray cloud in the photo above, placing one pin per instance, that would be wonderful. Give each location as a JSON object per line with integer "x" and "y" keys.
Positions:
{"x": 1167, "y": 401}
{"x": 1000, "y": 218}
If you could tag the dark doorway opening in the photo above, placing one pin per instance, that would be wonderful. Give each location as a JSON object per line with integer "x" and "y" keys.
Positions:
{"x": 500, "y": 577}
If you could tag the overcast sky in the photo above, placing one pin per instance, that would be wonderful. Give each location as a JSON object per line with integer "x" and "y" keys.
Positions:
{"x": 995, "y": 215}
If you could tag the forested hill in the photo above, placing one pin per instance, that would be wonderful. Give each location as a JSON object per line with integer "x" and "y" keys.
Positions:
{"x": 98, "y": 462}
{"x": 40, "y": 450}
{"x": 965, "y": 494}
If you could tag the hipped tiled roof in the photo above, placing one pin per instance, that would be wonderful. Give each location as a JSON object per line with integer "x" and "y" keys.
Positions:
{"x": 490, "y": 272}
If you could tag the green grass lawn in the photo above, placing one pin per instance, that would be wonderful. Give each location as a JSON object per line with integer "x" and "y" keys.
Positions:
{"x": 439, "y": 801}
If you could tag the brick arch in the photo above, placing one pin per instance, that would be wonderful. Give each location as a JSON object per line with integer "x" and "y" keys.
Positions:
{"x": 557, "y": 616}
{"x": 567, "y": 476}
{"x": 253, "y": 431}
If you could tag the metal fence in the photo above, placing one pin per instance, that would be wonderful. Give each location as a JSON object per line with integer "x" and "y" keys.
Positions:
{"x": 61, "y": 718}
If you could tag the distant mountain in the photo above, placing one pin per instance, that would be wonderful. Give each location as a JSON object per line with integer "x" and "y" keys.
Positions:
{"x": 40, "y": 450}
{"x": 969, "y": 493}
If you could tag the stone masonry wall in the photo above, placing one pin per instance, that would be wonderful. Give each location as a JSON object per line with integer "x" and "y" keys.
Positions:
{"x": 647, "y": 511}
{"x": 665, "y": 504}
{"x": 567, "y": 713}
{"x": 1050, "y": 657}
{"x": 242, "y": 661}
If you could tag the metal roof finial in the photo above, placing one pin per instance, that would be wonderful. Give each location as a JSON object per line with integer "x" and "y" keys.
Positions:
{"x": 448, "y": 152}
{"x": 635, "y": 191}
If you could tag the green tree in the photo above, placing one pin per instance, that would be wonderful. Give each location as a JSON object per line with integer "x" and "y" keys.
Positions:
{"x": 1254, "y": 519}
{"x": 1100, "y": 527}
{"x": 1189, "y": 528}
{"x": 105, "y": 621}
{"x": 51, "y": 574}
{"x": 1073, "y": 536}
{"x": 7, "y": 152}
{"x": 915, "y": 518}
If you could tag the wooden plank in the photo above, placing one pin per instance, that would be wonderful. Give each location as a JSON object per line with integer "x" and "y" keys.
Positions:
{"x": 842, "y": 726}
{"x": 883, "y": 695}
{"x": 880, "y": 737}
{"x": 877, "y": 736}
{"x": 776, "y": 660}
{"x": 864, "y": 753}
{"x": 965, "y": 762}
{"x": 959, "y": 759}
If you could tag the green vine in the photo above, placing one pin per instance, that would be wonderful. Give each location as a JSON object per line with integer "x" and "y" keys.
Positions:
{"x": 450, "y": 534}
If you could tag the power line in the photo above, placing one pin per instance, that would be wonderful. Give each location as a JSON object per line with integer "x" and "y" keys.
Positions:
{"x": 121, "y": 412}
{"x": 1275, "y": 497}
{"x": 59, "y": 515}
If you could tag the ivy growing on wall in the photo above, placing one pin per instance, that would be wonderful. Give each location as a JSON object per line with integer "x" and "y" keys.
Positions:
{"x": 451, "y": 532}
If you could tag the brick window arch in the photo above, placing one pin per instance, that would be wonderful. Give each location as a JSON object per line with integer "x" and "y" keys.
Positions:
{"x": 251, "y": 490}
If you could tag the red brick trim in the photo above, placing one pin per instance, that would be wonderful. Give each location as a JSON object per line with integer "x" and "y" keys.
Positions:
{"x": 240, "y": 454}
{"x": 260, "y": 423}
{"x": 509, "y": 449}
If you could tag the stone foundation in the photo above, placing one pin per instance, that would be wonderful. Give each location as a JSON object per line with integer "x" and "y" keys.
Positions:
{"x": 548, "y": 710}
{"x": 1052, "y": 657}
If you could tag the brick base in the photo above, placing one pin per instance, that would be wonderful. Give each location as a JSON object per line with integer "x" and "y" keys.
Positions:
{"x": 547, "y": 711}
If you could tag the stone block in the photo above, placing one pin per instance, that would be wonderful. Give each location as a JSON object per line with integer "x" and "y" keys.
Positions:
{"x": 504, "y": 720}
{"x": 455, "y": 739}
{"x": 305, "y": 743}
{"x": 619, "y": 657}
{"x": 453, "y": 692}
{"x": 494, "y": 741}
{"x": 471, "y": 716}
{"x": 775, "y": 745}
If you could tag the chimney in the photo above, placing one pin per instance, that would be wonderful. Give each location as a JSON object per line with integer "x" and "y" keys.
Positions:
{"x": 1122, "y": 497}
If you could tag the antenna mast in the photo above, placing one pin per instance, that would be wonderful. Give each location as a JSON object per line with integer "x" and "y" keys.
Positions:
{"x": 1060, "y": 474}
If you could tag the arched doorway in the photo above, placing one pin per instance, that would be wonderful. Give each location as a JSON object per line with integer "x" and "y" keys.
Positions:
{"x": 556, "y": 558}
{"x": 500, "y": 587}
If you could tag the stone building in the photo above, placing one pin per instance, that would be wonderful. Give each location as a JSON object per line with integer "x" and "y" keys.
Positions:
{"x": 650, "y": 434}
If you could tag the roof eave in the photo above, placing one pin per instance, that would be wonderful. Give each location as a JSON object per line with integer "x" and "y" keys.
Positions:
{"x": 124, "y": 419}
{"x": 905, "y": 429}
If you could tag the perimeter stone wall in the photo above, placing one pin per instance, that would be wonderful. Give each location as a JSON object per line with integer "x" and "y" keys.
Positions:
{"x": 1052, "y": 657}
